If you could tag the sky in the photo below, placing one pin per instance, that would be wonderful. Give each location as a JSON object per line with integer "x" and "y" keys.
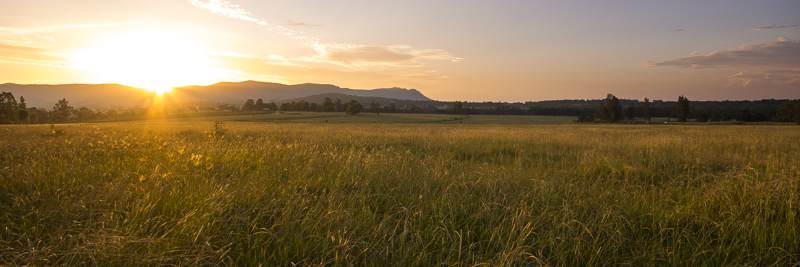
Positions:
{"x": 465, "y": 50}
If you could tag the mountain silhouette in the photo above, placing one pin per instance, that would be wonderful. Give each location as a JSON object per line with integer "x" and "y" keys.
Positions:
{"x": 240, "y": 91}
{"x": 116, "y": 95}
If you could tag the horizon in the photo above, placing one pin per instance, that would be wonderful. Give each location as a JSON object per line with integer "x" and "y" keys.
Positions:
{"x": 243, "y": 98}
{"x": 511, "y": 51}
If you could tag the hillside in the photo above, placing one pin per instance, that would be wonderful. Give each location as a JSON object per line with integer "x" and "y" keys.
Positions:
{"x": 115, "y": 95}
{"x": 79, "y": 95}
{"x": 274, "y": 92}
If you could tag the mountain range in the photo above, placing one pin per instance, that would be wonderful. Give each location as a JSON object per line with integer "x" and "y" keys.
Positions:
{"x": 116, "y": 95}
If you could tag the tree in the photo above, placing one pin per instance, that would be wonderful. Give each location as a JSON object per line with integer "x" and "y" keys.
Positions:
{"x": 62, "y": 111}
{"x": 260, "y": 105}
{"x": 745, "y": 116}
{"x": 702, "y": 117}
{"x": 286, "y": 106}
{"x": 630, "y": 113}
{"x": 789, "y": 112}
{"x": 8, "y": 108}
{"x": 375, "y": 107}
{"x": 610, "y": 109}
{"x": 682, "y": 110}
{"x": 458, "y": 108}
{"x": 249, "y": 105}
{"x": 645, "y": 110}
{"x": 327, "y": 105}
{"x": 353, "y": 107}
{"x": 338, "y": 105}
{"x": 272, "y": 106}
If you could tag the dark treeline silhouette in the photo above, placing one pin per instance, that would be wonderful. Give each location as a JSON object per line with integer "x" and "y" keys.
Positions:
{"x": 611, "y": 109}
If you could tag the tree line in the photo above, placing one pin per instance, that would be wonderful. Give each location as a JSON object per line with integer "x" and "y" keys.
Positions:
{"x": 611, "y": 109}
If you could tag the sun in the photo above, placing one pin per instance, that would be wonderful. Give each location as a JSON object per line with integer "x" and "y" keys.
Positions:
{"x": 156, "y": 62}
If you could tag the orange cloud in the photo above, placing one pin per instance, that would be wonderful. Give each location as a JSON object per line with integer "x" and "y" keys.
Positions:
{"x": 765, "y": 78}
{"x": 783, "y": 54}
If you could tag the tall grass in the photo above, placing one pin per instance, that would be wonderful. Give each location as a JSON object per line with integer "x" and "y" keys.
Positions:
{"x": 249, "y": 194}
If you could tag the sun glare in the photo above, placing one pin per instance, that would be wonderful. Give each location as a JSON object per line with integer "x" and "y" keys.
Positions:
{"x": 154, "y": 62}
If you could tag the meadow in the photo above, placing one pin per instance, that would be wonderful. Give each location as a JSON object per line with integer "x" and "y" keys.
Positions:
{"x": 416, "y": 191}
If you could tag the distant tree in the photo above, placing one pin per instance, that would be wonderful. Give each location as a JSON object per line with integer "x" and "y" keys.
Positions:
{"x": 22, "y": 104}
{"x": 62, "y": 111}
{"x": 645, "y": 110}
{"x": 286, "y": 106}
{"x": 34, "y": 117}
{"x": 745, "y": 116}
{"x": 392, "y": 108}
{"x": 8, "y": 108}
{"x": 602, "y": 112}
{"x": 313, "y": 107}
{"x": 339, "y": 106}
{"x": 272, "y": 106}
{"x": 702, "y": 117}
{"x": 249, "y": 105}
{"x": 716, "y": 116}
{"x": 353, "y": 107}
{"x": 788, "y": 112}
{"x": 682, "y": 110}
{"x": 83, "y": 114}
{"x": 259, "y": 106}
{"x": 610, "y": 109}
{"x": 725, "y": 117}
{"x": 23, "y": 116}
{"x": 375, "y": 107}
{"x": 327, "y": 105}
{"x": 585, "y": 118}
{"x": 630, "y": 113}
{"x": 458, "y": 108}
{"x": 759, "y": 117}
{"x": 304, "y": 106}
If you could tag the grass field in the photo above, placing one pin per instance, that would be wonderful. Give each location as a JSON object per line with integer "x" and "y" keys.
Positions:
{"x": 402, "y": 190}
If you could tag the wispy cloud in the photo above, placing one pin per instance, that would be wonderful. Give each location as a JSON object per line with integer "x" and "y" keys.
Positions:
{"x": 6, "y": 47}
{"x": 361, "y": 56}
{"x": 680, "y": 30}
{"x": 783, "y": 54}
{"x": 22, "y": 31}
{"x": 347, "y": 55}
{"x": 292, "y": 23}
{"x": 765, "y": 78}
{"x": 226, "y": 9}
{"x": 774, "y": 26}
{"x": 29, "y": 55}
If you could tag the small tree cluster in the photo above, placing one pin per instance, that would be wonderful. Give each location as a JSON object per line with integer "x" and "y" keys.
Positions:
{"x": 610, "y": 109}
{"x": 353, "y": 107}
{"x": 682, "y": 110}
{"x": 789, "y": 112}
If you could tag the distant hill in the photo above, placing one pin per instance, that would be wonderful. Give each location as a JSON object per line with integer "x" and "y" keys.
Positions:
{"x": 79, "y": 95}
{"x": 238, "y": 92}
{"x": 115, "y": 95}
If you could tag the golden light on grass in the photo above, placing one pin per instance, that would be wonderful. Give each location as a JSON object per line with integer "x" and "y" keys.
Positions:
{"x": 149, "y": 60}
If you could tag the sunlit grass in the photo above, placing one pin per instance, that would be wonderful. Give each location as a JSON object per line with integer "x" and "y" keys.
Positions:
{"x": 399, "y": 194}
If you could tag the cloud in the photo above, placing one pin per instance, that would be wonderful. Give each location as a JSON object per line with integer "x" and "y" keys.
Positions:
{"x": 399, "y": 55}
{"x": 783, "y": 54}
{"x": 226, "y": 9}
{"x": 346, "y": 55}
{"x": 769, "y": 78}
{"x": 680, "y": 30}
{"x": 28, "y": 55}
{"x": 7, "y": 47}
{"x": 774, "y": 26}
{"x": 292, "y": 23}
